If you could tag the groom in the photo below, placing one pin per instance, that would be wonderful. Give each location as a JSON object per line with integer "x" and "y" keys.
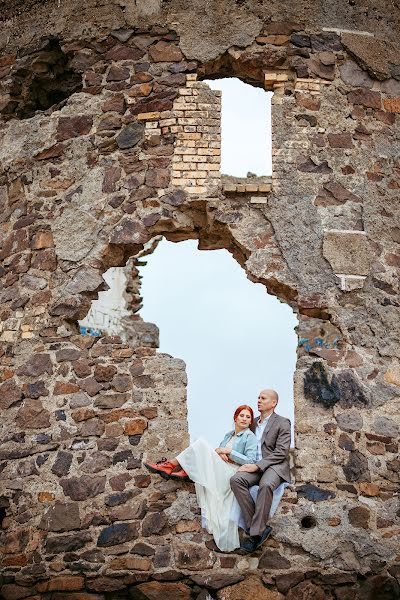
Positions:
{"x": 271, "y": 469}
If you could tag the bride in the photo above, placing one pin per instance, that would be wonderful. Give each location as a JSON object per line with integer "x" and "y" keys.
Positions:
{"x": 211, "y": 471}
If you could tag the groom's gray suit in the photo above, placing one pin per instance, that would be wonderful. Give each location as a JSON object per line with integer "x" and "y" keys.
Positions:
{"x": 273, "y": 468}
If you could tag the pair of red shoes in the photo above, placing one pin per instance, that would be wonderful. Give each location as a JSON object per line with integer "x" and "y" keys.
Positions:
{"x": 165, "y": 468}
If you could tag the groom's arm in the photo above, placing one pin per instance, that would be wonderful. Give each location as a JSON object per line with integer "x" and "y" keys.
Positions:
{"x": 282, "y": 447}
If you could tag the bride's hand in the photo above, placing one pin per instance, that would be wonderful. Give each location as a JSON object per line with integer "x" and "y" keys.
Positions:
{"x": 220, "y": 451}
{"x": 224, "y": 457}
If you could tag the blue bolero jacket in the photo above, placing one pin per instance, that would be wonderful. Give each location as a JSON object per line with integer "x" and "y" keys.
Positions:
{"x": 244, "y": 449}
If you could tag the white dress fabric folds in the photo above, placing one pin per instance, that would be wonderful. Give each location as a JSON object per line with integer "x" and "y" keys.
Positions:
{"x": 211, "y": 476}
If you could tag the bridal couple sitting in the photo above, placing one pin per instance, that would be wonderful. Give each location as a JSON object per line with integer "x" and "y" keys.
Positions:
{"x": 254, "y": 453}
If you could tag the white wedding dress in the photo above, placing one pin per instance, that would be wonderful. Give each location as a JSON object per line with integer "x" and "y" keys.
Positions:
{"x": 211, "y": 476}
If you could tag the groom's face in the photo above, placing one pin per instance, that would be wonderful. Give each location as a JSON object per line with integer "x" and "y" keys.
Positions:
{"x": 266, "y": 401}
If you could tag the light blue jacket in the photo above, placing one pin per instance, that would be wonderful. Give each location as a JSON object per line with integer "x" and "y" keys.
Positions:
{"x": 244, "y": 449}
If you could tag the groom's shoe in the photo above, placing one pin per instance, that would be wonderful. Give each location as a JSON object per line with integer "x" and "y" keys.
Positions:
{"x": 164, "y": 468}
{"x": 253, "y": 542}
{"x": 261, "y": 538}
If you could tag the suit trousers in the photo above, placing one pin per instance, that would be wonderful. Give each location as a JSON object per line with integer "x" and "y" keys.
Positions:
{"x": 255, "y": 515}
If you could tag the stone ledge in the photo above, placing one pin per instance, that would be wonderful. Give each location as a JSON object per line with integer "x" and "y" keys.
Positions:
{"x": 246, "y": 185}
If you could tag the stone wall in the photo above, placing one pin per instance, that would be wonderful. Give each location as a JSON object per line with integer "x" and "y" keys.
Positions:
{"x": 84, "y": 185}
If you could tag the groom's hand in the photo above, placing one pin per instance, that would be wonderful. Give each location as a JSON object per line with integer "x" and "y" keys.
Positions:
{"x": 248, "y": 468}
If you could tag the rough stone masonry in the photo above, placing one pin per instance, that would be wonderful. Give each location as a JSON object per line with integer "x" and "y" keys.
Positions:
{"x": 110, "y": 138}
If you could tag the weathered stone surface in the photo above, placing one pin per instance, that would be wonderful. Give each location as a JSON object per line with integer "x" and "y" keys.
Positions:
{"x": 62, "y": 463}
{"x": 359, "y": 517}
{"x": 353, "y": 75}
{"x": 70, "y": 127}
{"x": 356, "y": 468}
{"x": 32, "y": 415}
{"x": 314, "y": 493}
{"x": 251, "y": 587}
{"x": 271, "y": 559}
{"x": 67, "y": 543}
{"x": 61, "y": 517}
{"x": 81, "y": 488}
{"x": 191, "y": 556}
{"x": 386, "y": 427}
{"x": 288, "y": 580}
{"x": 378, "y": 58}
{"x": 356, "y": 260}
{"x": 10, "y": 394}
{"x": 164, "y": 52}
{"x": 153, "y": 523}
{"x": 306, "y": 590}
{"x": 168, "y": 591}
{"x": 38, "y": 364}
{"x": 117, "y": 534}
{"x": 350, "y": 421}
{"x": 217, "y": 581}
{"x": 130, "y": 135}
{"x": 75, "y": 234}
{"x": 129, "y": 232}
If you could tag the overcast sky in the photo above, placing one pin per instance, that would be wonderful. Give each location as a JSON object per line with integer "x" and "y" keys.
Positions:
{"x": 234, "y": 337}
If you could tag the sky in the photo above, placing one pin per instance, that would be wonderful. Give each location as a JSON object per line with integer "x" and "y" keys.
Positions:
{"x": 234, "y": 337}
{"x": 246, "y": 128}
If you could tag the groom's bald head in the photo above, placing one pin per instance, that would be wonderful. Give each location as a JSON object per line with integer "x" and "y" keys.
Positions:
{"x": 267, "y": 400}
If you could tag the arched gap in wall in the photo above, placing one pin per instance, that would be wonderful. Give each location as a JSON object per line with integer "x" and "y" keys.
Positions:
{"x": 234, "y": 338}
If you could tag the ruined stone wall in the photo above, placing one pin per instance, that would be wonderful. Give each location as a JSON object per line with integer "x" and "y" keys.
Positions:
{"x": 84, "y": 185}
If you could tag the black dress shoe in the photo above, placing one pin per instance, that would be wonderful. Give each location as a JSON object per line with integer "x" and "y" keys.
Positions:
{"x": 261, "y": 538}
{"x": 249, "y": 544}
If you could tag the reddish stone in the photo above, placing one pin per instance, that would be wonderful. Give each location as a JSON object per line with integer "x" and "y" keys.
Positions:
{"x": 81, "y": 488}
{"x": 309, "y": 102}
{"x": 65, "y": 387}
{"x": 118, "y": 482}
{"x": 11, "y": 591}
{"x": 385, "y": 117}
{"x": 70, "y": 127}
{"x": 142, "y": 481}
{"x": 109, "y": 122}
{"x": 165, "y": 52}
{"x": 53, "y": 152}
{"x": 149, "y": 413}
{"x": 10, "y": 394}
{"x": 129, "y": 231}
{"x": 392, "y": 105}
{"x": 365, "y": 98}
{"x": 45, "y": 260}
{"x": 42, "y": 239}
{"x": 122, "y": 383}
{"x": 376, "y": 448}
{"x": 393, "y": 260}
{"x": 83, "y": 414}
{"x": 117, "y": 73}
{"x": 340, "y": 140}
{"x": 67, "y": 354}
{"x": 353, "y": 359}
{"x": 117, "y": 414}
{"x": 359, "y": 517}
{"x": 348, "y": 170}
{"x": 135, "y": 426}
{"x": 82, "y": 368}
{"x": 115, "y": 104}
{"x": 32, "y": 415}
{"x": 124, "y": 53}
{"x": 369, "y": 489}
{"x": 158, "y": 178}
{"x": 104, "y": 372}
{"x": 90, "y": 386}
{"x": 62, "y": 583}
{"x": 37, "y": 365}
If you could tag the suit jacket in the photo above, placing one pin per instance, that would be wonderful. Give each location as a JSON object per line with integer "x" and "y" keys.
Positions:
{"x": 275, "y": 445}
{"x": 244, "y": 450}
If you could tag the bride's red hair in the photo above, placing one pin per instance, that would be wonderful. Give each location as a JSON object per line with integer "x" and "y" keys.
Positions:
{"x": 243, "y": 407}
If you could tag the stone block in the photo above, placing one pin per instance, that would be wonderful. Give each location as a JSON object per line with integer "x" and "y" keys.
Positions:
{"x": 347, "y": 252}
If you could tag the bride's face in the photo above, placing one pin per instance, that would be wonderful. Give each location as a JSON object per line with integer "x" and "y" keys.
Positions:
{"x": 243, "y": 420}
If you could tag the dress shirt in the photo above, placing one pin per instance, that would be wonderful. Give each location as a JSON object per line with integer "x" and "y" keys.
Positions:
{"x": 259, "y": 433}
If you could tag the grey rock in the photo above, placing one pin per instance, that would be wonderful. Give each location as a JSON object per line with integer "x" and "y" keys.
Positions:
{"x": 350, "y": 421}
{"x": 130, "y": 135}
{"x": 75, "y": 234}
{"x": 61, "y": 517}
